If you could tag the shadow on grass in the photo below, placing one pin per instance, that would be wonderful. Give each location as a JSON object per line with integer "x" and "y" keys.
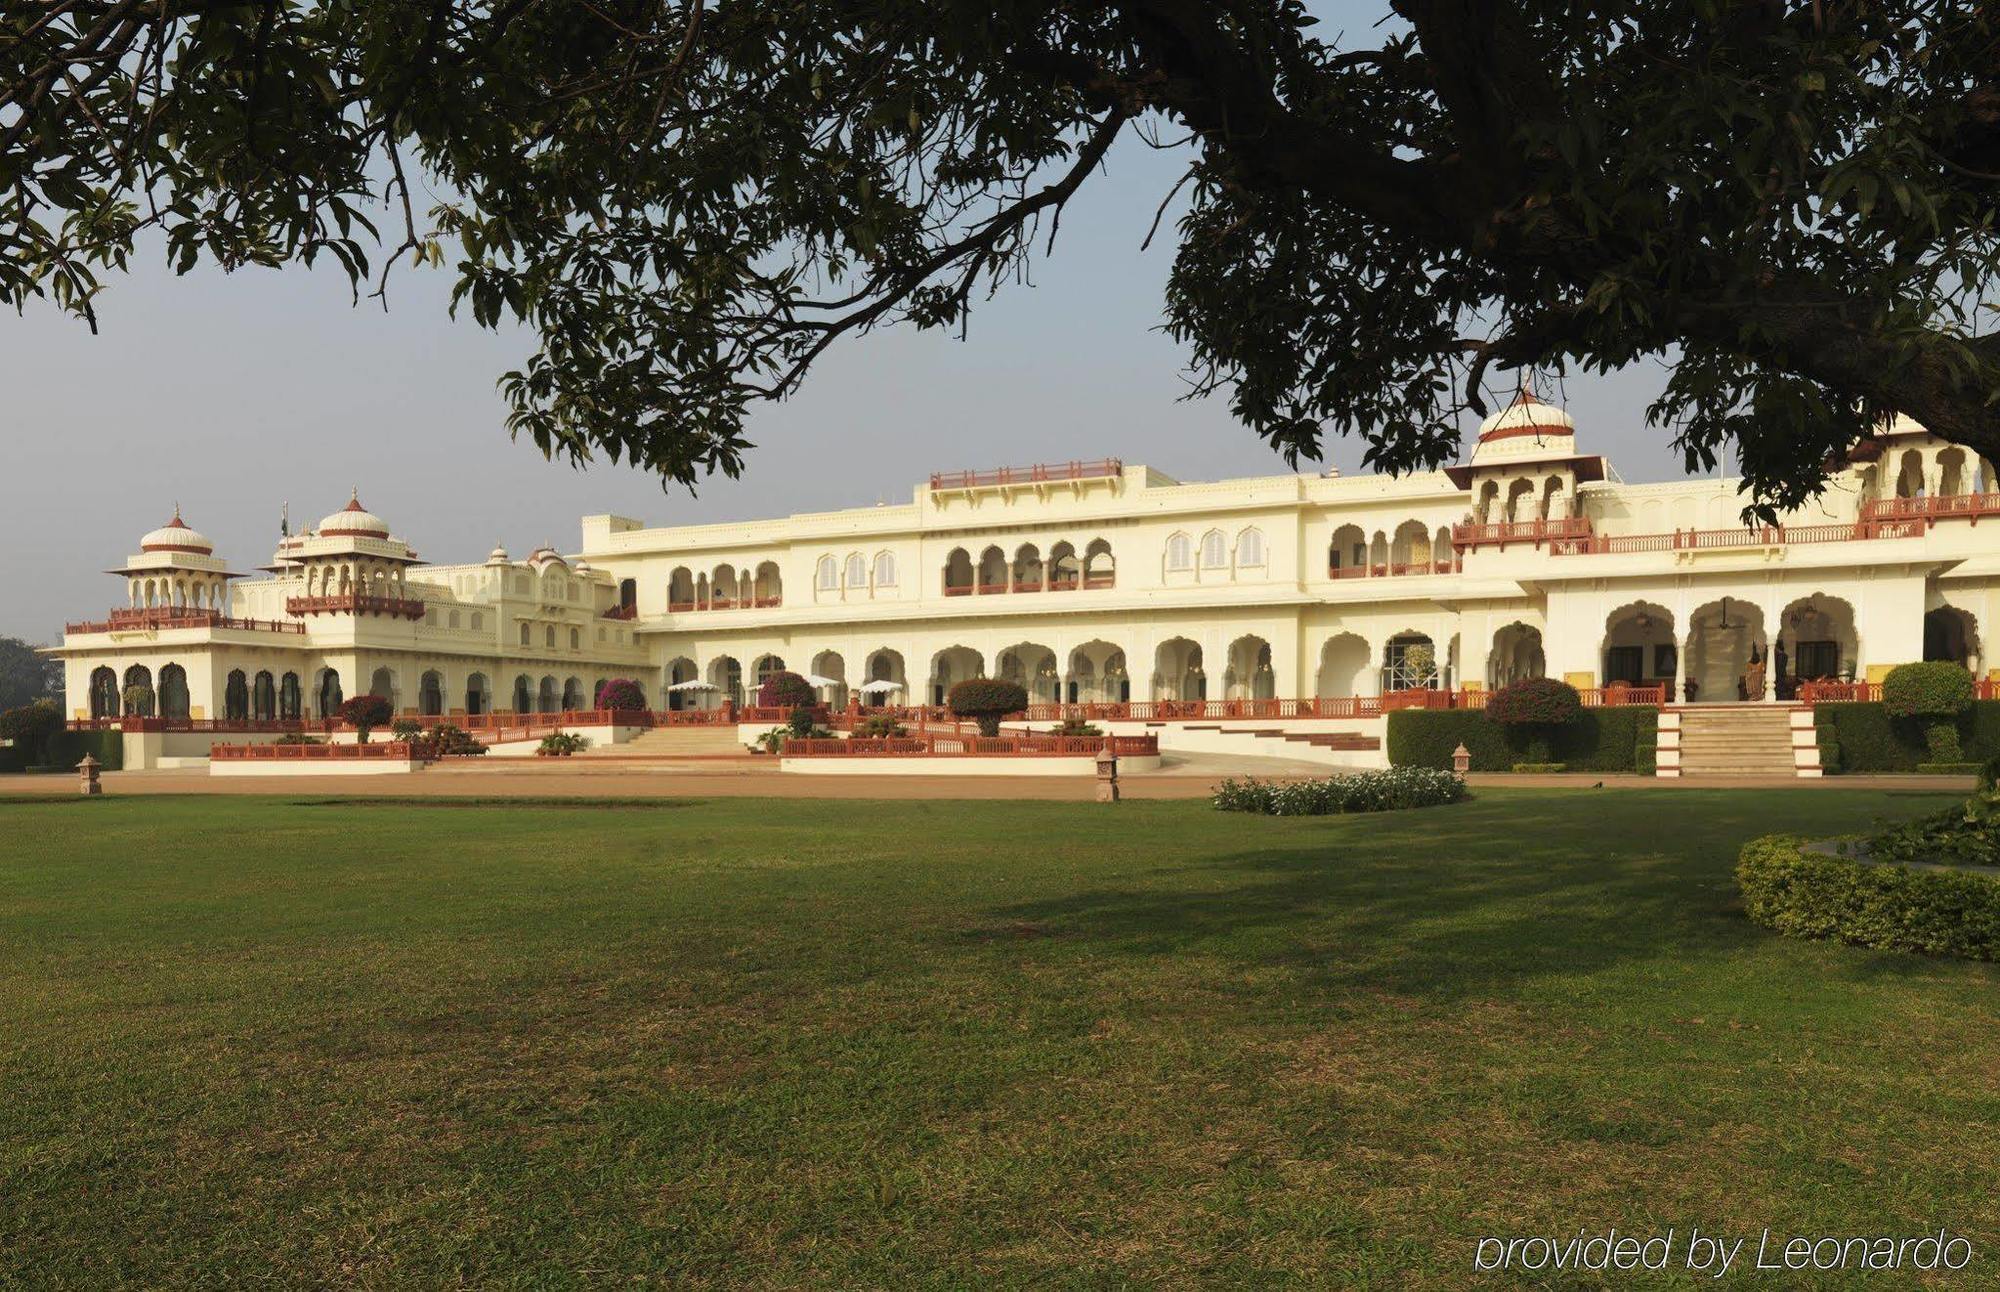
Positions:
{"x": 1463, "y": 900}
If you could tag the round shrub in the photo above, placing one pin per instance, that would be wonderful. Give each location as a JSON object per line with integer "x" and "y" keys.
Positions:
{"x": 1935, "y": 692}
{"x": 986, "y": 700}
{"x": 784, "y": 690}
{"x": 621, "y": 693}
{"x": 1535, "y": 709}
{"x": 364, "y": 713}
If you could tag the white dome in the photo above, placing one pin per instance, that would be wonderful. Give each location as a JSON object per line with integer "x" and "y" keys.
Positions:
{"x": 175, "y": 536}
{"x": 545, "y": 555}
{"x": 498, "y": 556}
{"x": 354, "y": 521}
{"x": 1526, "y": 428}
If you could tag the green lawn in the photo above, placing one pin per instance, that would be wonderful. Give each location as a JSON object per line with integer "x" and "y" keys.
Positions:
{"x": 947, "y": 1044}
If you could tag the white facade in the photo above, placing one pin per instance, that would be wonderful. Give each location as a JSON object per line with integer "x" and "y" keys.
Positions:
{"x": 1105, "y": 582}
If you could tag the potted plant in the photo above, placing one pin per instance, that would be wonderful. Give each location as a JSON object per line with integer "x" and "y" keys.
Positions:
{"x": 562, "y": 744}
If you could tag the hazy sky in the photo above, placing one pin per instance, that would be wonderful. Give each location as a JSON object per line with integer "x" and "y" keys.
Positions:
{"x": 236, "y": 394}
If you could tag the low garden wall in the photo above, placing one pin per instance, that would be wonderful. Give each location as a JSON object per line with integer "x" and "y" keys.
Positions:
{"x": 1793, "y": 890}
{"x": 1860, "y": 736}
{"x": 1612, "y": 738}
{"x": 936, "y": 754}
{"x": 375, "y": 759}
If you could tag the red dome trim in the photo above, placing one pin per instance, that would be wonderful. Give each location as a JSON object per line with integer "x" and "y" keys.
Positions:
{"x": 1538, "y": 428}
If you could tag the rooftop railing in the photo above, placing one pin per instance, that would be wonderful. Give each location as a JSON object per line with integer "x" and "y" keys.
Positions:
{"x": 1039, "y": 473}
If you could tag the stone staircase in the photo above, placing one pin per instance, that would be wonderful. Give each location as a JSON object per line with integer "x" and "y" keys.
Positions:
{"x": 1737, "y": 740}
{"x": 667, "y": 743}
{"x": 1332, "y": 748}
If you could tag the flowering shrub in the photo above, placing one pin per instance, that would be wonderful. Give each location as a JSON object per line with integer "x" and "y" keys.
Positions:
{"x": 364, "y": 713}
{"x": 621, "y": 693}
{"x": 986, "y": 700}
{"x": 1373, "y": 791}
{"x": 785, "y": 691}
{"x": 1536, "y": 709}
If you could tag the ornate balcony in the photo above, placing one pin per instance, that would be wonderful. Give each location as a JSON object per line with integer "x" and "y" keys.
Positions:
{"x": 155, "y": 618}
{"x": 351, "y": 604}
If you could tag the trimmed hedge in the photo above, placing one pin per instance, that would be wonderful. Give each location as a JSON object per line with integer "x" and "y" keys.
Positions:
{"x": 67, "y": 748}
{"x": 1800, "y": 894}
{"x": 1370, "y": 791}
{"x": 1616, "y": 738}
{"x": 1864, "y": 738}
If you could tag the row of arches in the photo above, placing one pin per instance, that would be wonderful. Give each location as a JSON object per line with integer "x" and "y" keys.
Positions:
{"x": 1521, "y": 500}
{"x": 162, "y": 593}
{"x": 1946, "y": 472}
{"x": 1028, "y": 570}
{"x": 724, "y": 588}
{"x": 1411, "y": 549}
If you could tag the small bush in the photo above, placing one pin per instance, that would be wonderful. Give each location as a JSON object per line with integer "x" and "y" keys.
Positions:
{"x": 783, "y": 690}
{"x": 1966, "y": 834}
{"x": 986, "y": 700}
{"x": 1373, "y": 791}
{"x": 1075, "y": 727}
{"x": 445, "y": 740}
{"x": 621, "y": 693}
{"x": 405, "y": 729}
{"x": 1804, "y": 894}
{"x": 297, "y": 738}
{"x": 801, "y": 722}
{"x": 880, "y": 726}
{"x": 137, "y": 698}
{"x": 1543, "y": 768}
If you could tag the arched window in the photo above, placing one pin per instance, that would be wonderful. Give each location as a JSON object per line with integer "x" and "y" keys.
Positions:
{"x": 452, "y": 621}
{"x": 1180, "y": 553}
{"x": 827, "y": 576}
{"x": 527, "y": 634}
{"x": 857, "y": 570}
{"x": 1250, "y": 548}
{"x": 236, "y": 696}
{"x": 1214, "y": 550}
{"x": 576, "y": 639}
{"x": 478, "y": 622}
{"x": 885, "y": 569}
{"x": 549, "y": 636}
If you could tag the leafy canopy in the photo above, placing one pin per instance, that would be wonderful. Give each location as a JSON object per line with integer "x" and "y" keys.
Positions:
{"x": 688, "y": 202}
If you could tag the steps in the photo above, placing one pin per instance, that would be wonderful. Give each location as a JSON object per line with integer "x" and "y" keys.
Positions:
{"x": 1331, "y": 748}
{"x": 673, "y": 742}
{"x": 1736, "y": 740}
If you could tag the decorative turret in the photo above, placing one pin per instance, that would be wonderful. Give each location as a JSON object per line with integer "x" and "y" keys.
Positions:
{"x": 352, "y": 564}
{"x": 175, "y": 574}
{"x": 1523, "y": 475}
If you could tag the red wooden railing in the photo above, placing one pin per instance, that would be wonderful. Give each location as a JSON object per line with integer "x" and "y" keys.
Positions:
{"x": 1687, "y": 540}
{"x": 378, "y": 751}
{"x": 153, "y": 619}
{"x": 1969, "y": 506}
{"x": 1835, "y": 691}
{"x": 1039, "y": 473}
{"x": 1088, "y": 582}
{"x": 722, "y": 603}
{"x": 1519, "y": 531}
{"x": 932, "y": 744}
{"x": 353, "y": 603}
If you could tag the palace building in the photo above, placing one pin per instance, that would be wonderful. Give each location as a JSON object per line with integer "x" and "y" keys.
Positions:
{"x": 1098, "y": 582}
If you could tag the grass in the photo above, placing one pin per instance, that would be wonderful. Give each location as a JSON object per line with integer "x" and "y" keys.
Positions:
{"x": 947, "y": 1044}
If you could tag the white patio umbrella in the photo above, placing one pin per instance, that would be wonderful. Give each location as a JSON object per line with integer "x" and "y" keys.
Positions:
{"x": 815, "y": 681}
{"x": 880, "y": 686}
{"x": 694, "y": 686}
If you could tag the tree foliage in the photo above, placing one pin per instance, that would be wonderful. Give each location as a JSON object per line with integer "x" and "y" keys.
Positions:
{"x": 688, "y": 202}
{"x": 26, "y": 676}
{"x": 785, "y": 690}
{"x": 986, "y": 700}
